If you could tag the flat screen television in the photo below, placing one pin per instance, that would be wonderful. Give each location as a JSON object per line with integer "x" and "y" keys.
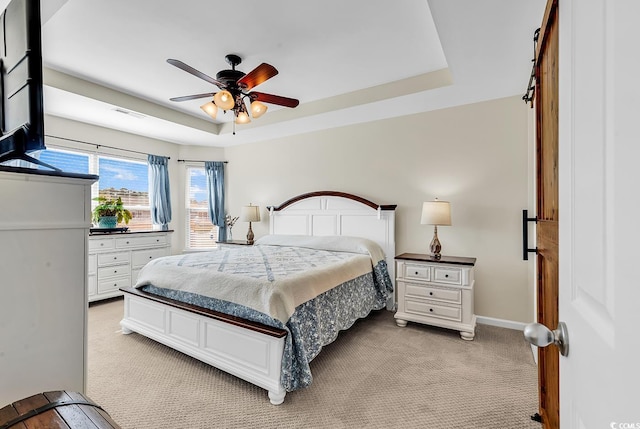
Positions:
{"x": 22, "y": 107}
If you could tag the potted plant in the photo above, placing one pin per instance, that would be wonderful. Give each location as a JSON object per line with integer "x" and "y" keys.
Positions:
{"x": 109, "y": 213}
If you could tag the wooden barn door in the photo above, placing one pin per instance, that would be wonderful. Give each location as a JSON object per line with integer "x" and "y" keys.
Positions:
{"x": 587, "y": 154}
{"x": 546, "y": 108}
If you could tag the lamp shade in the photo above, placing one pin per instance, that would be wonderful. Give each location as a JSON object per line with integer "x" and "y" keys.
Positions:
{"x": 243, "y": 118}
{"x": 257, "y": 109}
{"x": 210, "y": 109}
{"x": 224, "y": 100}
{"x": 250, "y": 214}
{"x": 436, "y": 213}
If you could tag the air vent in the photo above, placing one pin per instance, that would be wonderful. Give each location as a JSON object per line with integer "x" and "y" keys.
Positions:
{"x": 130, "y": 113}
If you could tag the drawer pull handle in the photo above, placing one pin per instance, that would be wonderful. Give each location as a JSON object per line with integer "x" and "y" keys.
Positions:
{"x": 431, "y": 310}
{"x": 416, "y": 273}
{"x": 150, "y": 257}
{"x": 127, "y": 242}
{"x": 115, "y": 271}
{"x": 102, "y": 244}
{"x": 430, "y": 293}
{"x": 446, "y": 276}
{"x": 115, "y": 257}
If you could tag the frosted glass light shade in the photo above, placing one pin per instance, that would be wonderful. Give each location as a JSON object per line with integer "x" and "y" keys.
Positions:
{"x": 250, "y": 214}
{"x": 257, "y": 109}
{"x": 224, "y": 100}
{"x": 243, "y": 118}
{"x": 436, "y": 213}
{"x": 210, "y": 109}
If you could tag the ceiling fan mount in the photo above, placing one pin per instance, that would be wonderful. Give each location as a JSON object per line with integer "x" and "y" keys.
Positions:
{"x": 233, "y": 60}
{"x": 231, "y": 77}
{"x": 236, "y": 85}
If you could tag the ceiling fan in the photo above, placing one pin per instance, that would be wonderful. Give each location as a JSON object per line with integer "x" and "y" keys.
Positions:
{"x": 235, "y": 88}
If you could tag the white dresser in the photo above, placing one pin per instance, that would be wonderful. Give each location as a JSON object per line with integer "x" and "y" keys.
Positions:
{"x": 436, "y": 292}
{"x": 44, "y": 222}
{"x": 116, "y": 259}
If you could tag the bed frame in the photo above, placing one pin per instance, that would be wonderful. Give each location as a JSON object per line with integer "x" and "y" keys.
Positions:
{"x": 250, "y": 350}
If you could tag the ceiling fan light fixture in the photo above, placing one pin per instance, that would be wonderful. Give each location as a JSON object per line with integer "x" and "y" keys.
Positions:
{"x": 258, "y": 109}
{"x": 243, "y": 118}
{"x": 210, "y": 109}
{"x": 224, "y": 100}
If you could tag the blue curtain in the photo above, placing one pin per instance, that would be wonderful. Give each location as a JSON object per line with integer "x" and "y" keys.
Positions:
{"x": 215, "y": 187}
{"x": 159, "y": 198}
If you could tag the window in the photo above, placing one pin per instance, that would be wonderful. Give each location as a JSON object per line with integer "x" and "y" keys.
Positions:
{"x": 71, "y": 162}
{"x": 201, "y": 233}
{"x": 127, "y": 179}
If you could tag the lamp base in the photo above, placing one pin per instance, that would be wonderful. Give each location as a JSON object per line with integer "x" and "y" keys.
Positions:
{"x": 250, "y": 235}
{"x": 435, "y": 247}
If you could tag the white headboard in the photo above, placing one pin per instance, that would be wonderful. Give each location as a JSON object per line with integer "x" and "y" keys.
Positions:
{"x": 337, "y": 213}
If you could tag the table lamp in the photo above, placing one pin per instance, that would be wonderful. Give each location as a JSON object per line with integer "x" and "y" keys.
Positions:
{"x": 250, "y": 214}
{"x": 436, "y": 213}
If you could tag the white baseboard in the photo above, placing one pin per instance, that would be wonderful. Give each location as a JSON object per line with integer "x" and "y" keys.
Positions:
{"x": 502, "y": 323}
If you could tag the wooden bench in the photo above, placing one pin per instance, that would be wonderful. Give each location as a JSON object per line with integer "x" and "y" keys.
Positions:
{"x": 55, "y": 410}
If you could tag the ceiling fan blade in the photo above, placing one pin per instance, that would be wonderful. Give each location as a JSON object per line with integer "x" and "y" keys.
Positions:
{"x": 274, "y": 99}
{"x": 256, "y": 76}
{"x": 192, "y": 97}
{"x": 194, "y": 72}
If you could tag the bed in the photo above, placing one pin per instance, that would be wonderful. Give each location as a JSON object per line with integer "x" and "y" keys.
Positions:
{"x": 266, "y": 319}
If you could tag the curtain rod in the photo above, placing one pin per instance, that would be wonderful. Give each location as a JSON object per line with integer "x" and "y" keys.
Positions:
{"x": 196, "y": 160}
{"x": 97, "y": 145}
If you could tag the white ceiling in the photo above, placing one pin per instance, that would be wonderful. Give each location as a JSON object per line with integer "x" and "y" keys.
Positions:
{"x": 346, "y": 61}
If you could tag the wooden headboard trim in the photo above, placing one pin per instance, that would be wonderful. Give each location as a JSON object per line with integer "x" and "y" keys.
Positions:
{"x": 332, "y": 194}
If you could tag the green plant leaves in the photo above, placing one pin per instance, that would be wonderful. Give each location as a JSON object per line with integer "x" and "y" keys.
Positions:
{"x": 109, "y": 207}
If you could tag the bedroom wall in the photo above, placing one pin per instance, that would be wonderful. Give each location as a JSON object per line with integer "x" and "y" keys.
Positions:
{"x": 475, "y": 156}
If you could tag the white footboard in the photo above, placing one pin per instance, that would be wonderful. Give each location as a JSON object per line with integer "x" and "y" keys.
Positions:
{"x": 253, "y": 356}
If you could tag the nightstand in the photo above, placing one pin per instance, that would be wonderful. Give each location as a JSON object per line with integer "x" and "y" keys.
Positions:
{"x": 232, "y": 243}
{"x": 436, "y": 292}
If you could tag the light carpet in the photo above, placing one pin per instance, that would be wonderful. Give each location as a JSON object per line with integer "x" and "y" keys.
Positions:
{"x": 375, "y": 375}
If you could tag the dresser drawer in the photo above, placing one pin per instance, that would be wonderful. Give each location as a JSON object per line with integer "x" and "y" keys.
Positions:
{"x": 141, "y": 257}
{"x": 453, "y": 296}
{"x": 114, "y": 271}
{"x": 420, "y": 272}
{"x": 113, "y": 284}
{"x": 141, "y": 241}
{"x": 432, "y": 310}
{"x": 447, "y": 275}
{"x": 101, "y": 244}
{"x": 113, "y": 258}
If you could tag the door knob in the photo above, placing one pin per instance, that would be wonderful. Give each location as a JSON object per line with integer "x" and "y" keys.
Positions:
{"x": 541, "y": 336}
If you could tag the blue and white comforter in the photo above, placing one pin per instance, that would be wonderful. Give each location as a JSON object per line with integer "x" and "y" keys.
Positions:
{"x": 313, "y": 287}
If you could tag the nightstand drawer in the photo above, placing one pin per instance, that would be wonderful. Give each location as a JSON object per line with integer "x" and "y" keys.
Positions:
{"x": 447, "y": 275}
{"x": 417, "y": 272}
{"x": 431, "y": 310}
{"x": 453, "y": 296}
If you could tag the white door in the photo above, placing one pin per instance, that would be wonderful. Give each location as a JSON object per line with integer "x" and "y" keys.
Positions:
{"x": 599, "y": 195}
